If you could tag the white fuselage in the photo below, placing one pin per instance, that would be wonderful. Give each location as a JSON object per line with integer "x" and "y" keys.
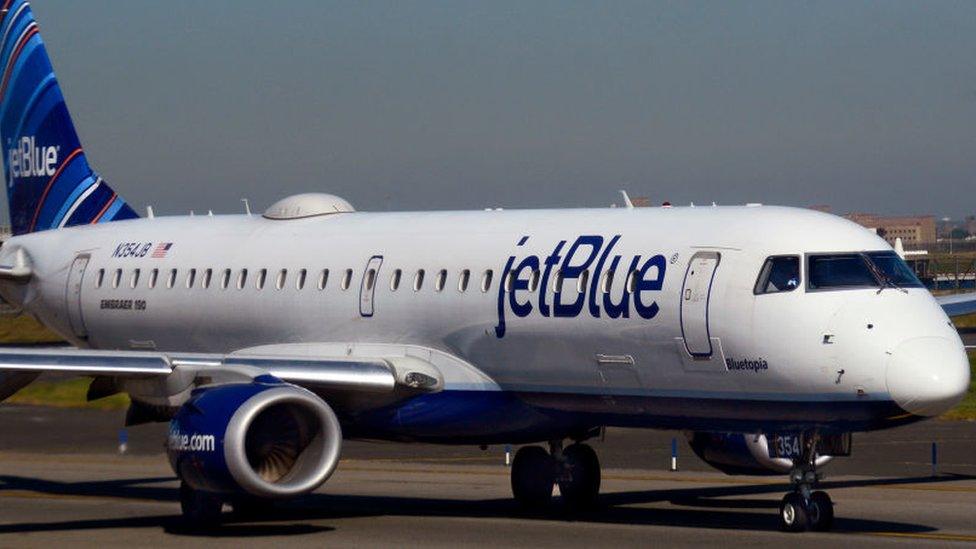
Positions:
{"x": 826, "y": 352}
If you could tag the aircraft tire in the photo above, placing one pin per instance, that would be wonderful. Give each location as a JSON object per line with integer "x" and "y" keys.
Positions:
{"x": 792, "y": 513}
{"x": 533, "y": 477}
{"x": 581, "y": 487}
{"x": 821, "y": 512}
{"x": 200, "y": 509}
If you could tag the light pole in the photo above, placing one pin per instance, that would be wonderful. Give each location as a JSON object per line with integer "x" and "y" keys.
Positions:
{"x": 946, "y": 220}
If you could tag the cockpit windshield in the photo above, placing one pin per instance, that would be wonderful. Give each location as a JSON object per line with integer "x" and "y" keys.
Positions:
{"x": 859, "y": 270}
{"x": 840, "y": 271}
{"x": 894, "y": 269}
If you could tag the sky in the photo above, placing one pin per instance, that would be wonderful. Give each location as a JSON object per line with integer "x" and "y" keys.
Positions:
{"x": 866, "y": 106}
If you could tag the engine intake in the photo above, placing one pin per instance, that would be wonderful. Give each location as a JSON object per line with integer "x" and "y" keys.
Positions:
{"x": 267, "y": 438}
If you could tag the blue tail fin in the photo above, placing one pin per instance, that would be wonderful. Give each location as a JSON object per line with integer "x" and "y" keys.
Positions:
{"x": 49, "y": 182}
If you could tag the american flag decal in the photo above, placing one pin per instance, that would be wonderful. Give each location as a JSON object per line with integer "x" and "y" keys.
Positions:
{"x": 161, "y": 250}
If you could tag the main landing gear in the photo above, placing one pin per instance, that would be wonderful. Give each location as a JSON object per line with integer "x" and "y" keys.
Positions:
{"x": 805, "y": 508}
{"x": 203, "y": 509}
{"x": 200, "y": 509}
{"x": 576, "y": 469}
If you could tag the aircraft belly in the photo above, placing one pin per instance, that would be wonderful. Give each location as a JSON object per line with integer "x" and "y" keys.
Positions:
{"x": 490, "y": 417}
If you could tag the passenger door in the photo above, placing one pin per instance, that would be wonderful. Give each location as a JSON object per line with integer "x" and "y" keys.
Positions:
{"x": 695, "y": 293}
{"x": 72, "y": 296}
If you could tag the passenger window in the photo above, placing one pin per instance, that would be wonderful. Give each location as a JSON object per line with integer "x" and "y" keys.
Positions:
{"x": 557, "y": 282}
{"x": 509, "y": 281}
{"x": 323, "y": 279}
{"x": 395, "y": 280}
{"x": 134, "y": 281}
{"x": 839, "y": 271}
{"x": 463, "y": 280}
{"x": 418, "y": 281}
{"x": 117, "y": 278}
{"x": 242, "y": 279}
{"x": 262, "y": 278}
{"x": 190, "y": 277}
{"x": 346, "y": 279}
{"x": 370, "y": 279}
{"x": 225, "y": 279}
{"x": 486, "y": 280}
{"x": 534, "y": 281}
{"x": 207, "y": 277}
{"x": 607, "y": 282}
{"x": 171, "y": 281}
{"x": 153, "y": 277}
{"x": 300, "y": 283}
{"x": 779, "y": 274}
{"x": 100, "y": 278}
{"x": 632, "y": 281}
{"x": 583, "y": 281}
{"x": 441, "y": 280}
{"x": 282, "y": 278}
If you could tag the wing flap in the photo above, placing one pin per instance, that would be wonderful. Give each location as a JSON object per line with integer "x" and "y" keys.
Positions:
{"x": 84, "y": 362}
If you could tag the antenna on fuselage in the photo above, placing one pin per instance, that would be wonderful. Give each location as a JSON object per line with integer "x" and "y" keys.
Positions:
{"x": 150, "y": 213}
{"x": 627, "y": 203}
{"x": 247, "y": 206}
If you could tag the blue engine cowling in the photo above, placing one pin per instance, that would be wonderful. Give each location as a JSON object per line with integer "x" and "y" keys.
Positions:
{"x": 267, "y": 438}
{"x": 741, "y": 454}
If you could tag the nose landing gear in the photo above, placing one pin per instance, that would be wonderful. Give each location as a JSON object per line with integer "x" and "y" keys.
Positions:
{"x": 575, "y": 469}
{"x": 805, "y": 508}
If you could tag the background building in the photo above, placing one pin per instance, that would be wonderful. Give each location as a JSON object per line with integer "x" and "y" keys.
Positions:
{"x": 912, "y": 229}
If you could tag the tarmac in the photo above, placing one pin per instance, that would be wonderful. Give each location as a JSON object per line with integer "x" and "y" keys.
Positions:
{"x": 63, "y": 481}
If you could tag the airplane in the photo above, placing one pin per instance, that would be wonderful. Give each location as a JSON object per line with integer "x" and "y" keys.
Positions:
{"x": 768, "y": 334}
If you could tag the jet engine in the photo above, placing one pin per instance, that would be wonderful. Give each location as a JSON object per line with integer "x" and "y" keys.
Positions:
{"x": 741, "y": 454}
{"x": 266, "y": 438}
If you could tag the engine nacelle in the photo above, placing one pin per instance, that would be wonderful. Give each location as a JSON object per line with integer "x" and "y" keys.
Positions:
{"x": 741, "y": 454}
{"x": 267, "y": 438}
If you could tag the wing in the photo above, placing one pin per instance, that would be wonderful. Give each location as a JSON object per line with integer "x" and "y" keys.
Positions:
{"x": 959, "y": 304}
{"x": 329, "y": 368}
{"x": 349, "y": 373}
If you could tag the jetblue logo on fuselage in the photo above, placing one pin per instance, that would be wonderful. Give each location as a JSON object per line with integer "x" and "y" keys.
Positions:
{"x": 26, "y": 159}
{"x": 584, "y": 261}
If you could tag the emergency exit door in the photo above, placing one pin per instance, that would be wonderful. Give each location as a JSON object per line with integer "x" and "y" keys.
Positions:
{"x": 367, "y": 288}
{"x": 695, "y": 295}
{"x": 72, "y": 295}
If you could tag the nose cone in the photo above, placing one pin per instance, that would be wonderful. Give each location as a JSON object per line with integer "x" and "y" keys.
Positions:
{"x": 927, "y": 376}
